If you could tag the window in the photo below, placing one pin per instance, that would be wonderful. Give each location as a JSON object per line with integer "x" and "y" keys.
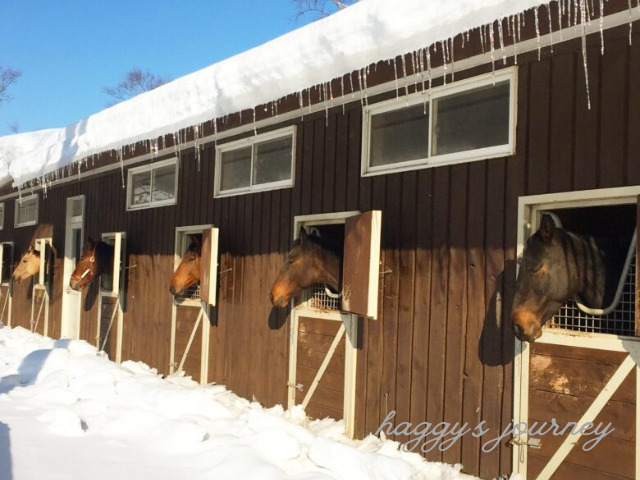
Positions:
{"x": 465, "y": 121}
{"x": 152, "y": 185}
{"x": 263, "y": 162}
{"x": 26, "y": 211}
{"x": 1, "y": 216}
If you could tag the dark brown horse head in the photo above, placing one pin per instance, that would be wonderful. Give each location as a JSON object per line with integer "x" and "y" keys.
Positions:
{"x": 308, "y": 263}
{"x": 28, "y": 265}
{"x": 556, "y": 265}
{"x": 188, "y": 272}
{"x": 95, "y": 259}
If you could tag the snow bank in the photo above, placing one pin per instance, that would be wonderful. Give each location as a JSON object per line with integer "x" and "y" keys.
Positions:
{"x": 352, "y": 39}
{"x": 67, "y": 412}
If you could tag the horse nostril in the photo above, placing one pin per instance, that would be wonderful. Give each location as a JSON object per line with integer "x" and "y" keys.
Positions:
{"x": 271, "y": 298}
{"x": 172, "y": 290}
{"x": 517, "y": 329}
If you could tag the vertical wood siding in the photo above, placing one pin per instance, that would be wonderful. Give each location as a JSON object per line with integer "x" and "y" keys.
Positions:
{"x": 442, "y": 349}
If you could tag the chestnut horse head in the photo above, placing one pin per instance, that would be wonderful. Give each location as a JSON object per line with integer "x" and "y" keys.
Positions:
{"x": 28, "y": 265}
{"x": 308, "y": 262}
{"x": 95, "y": 259}
{"x": 556, "y": 265}
{"x": 188, "y": 272}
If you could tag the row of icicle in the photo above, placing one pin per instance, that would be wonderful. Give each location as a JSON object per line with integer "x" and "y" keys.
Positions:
{"x": 579, "y": 14}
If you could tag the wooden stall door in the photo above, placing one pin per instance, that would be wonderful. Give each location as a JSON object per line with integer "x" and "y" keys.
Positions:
{"x": 566, "y": 383}
{"x": 188, "y": 338}
{"x": 315, "y": 338}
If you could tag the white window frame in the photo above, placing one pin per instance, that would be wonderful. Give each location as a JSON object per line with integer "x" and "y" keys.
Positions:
{"x": 146, "y": 168}
{"x": 250, "y": 142}
{"x": 428, "y": 97}
{"x": 19, "y": 203}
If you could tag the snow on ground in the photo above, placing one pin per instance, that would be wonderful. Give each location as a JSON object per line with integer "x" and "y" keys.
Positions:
{"x": 67, "y": 412}
{"x": 350, "y": 40}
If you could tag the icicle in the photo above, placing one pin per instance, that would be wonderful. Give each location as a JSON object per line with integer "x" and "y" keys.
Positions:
{"x": 550, "y": 27}
{"x": 443, "y": 45}
{"x": 514, "y": 20}
{"x": 501, "y": 38}
{"x": 601, "y": 23}
{"x": 453, "y": 62}
{"x": 215, "y": 133}
{"x": 429, "y": 66}
{"x": 196, "y": 142}
{"x": 326, "y": 104}
{"x": 395, "y": 77}
{"x": 630, "y": 22}
{"x": 482, "y": 40}
{"x": 583, "y": 27}
{"x": 255, "y": 129}
{"x": 366, "y": 78}
{"x": 535, "y": 13}
{"x": 120, "y": 157}
{"x": 493, "y": 56}
{"x": 404, "y": 75}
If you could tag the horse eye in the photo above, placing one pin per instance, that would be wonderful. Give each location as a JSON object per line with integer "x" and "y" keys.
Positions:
{"x": 536, "y": 268}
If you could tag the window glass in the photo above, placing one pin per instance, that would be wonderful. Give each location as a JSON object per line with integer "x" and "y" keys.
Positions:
{"x": 26, "y": 211}
{"x": 272, "y": 160}
{"x": 164, "y": 183}
{"x": 235, "y": 169}
{"x": 399, "y": 136}
{"x": 141, "y": 188}
{"x": 472, "y": 120}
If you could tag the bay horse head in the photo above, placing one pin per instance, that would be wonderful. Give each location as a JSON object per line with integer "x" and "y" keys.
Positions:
{"x": 556, "y": 265}
{"x": 308, "y": 262}
{"x": 28, "y": 265}
{"x": 95, "y": 259}
{"x": 188, "y": 272}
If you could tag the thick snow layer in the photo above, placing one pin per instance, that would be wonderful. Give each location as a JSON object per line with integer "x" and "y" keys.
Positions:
{"x": 68, "y": 412}
{"x": 367, "y": 32}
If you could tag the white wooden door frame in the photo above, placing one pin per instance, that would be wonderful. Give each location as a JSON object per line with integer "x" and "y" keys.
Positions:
{"x": 349, "y": 321}
{"x": 71, "y": 223}
{"x": 117, "y": 292}
{"x": 6, "y": 303}
{"x": 41, "y": 312}
{"x": 204, "y": 315}
{"x": 528, "y": 209}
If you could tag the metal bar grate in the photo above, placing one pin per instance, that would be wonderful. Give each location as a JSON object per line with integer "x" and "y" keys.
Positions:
{"x": 320, "y": 299}
{"x": 621, "y": 321}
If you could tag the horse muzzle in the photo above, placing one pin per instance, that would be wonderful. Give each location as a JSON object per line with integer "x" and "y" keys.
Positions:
{"x": 526, "y": 327}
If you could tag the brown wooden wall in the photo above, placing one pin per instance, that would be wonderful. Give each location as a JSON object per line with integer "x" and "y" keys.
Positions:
{"x": 442, "y": 349}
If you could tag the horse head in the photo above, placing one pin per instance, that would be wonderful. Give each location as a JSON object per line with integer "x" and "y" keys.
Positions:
{"x": 28, "y": 265}
{"x": 308, "y": 263}
{"x": 556, "y": 265}
{"x": 95, "y": 259}
{"x": 188, "y": 272}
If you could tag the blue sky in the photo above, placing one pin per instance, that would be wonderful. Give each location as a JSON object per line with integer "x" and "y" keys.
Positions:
{"x": 68, "y": 51}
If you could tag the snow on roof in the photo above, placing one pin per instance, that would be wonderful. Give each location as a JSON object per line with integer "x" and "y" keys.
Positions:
{"x": 352, "y": 39}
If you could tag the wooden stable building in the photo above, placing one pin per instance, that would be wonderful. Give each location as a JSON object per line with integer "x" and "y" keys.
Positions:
{"x": 455, "y": 162}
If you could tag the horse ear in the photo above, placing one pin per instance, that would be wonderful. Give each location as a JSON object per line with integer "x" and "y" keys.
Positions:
{"x": 196, "y": 239}
{"x": 547, "y": 226}
{"x": 302, "y": 235}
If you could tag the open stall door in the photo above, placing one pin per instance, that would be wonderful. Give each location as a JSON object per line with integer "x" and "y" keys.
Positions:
{"x": 40, "y": 298}
{"x": 190, "y": 323}
{"x": 322, "y": 372}
{"x": 112, "y": 299}
{"x": 582, "y": 370}
{"x": 6, "y": 290}
{"x": 361, "y": 264}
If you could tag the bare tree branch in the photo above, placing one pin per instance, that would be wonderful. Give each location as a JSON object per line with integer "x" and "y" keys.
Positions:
{"x": 8, "y": 76}
{"x": 321, "y": 8}
{"x": 135, "y": 82}
{"x": 14, "y": 126}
